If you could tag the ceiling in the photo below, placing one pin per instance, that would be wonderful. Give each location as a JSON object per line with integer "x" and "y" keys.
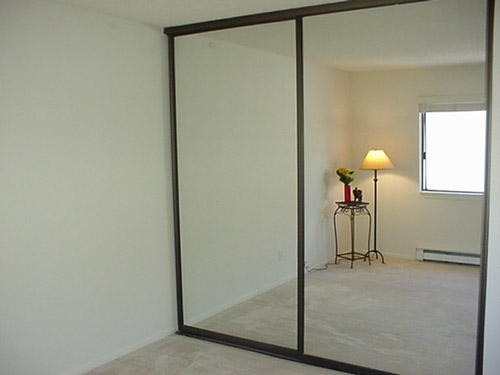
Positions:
{"x": 180, "y": 12}
{"x": 431, "y": 33}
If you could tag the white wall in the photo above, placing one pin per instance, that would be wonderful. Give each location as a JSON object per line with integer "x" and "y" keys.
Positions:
{"x": 225, "y": 223}
{"x": 237, "y": 170}
{"x": 385, "y": 115}
{"x": 355, "y": 112}
{"x": 492, "y": 325}
{"x": 86, "y": 266}
{"x": 85, "y": 232}
{"x": 327, "y": 147}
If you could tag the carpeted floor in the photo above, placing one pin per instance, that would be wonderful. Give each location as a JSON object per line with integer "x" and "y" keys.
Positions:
{"x": 407, "y": 317}
{"x": 179, "y": 355}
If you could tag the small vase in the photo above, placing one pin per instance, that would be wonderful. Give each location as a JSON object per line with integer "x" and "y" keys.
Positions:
{"x": 347, "y": 193}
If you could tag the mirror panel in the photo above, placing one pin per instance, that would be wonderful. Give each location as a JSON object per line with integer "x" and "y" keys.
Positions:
{"x": 236, "y": 121}
{"x": 366, "y": 73}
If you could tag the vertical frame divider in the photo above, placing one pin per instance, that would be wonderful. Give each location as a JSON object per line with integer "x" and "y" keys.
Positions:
{"x": 175, "y": 180}
{"x": 299, "y": 55}
{"x": 478, "y": 368}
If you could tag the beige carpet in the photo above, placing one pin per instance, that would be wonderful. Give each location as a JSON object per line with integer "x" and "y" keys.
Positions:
{"x": 178, "y": 355}
{"x": 407, "y": 317}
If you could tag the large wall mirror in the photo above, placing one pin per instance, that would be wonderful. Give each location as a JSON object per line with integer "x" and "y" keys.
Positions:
{"x": 236, "y": 140}
{"x": 382, "y": 66}
{"x": 265, "y": 109}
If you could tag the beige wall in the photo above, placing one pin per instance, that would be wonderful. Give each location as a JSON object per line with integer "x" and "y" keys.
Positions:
{"x": 86, "y": 265}
{"x": 385, "y": 115}
{"x": 380, "y": 110}
{"x": 86, "y": 270}
{"x": 227, "y": 238}
{"x": 328, "y": 146}
{"x": 237, "y": 170}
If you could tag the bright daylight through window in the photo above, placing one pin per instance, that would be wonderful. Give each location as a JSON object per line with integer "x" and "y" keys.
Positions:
{"x": 453, "y": 151}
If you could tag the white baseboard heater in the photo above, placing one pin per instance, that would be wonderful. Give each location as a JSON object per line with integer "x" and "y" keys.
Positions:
{"x": 427, "y": 255}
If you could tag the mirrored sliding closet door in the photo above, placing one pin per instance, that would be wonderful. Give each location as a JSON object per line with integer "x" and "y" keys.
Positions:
{"x": 369, "y": 75}
{"x": 263, "y": 116}
{"x": 237, "y": 168}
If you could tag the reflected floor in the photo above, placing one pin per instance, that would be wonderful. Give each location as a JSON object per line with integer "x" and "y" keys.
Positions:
{"x": 406, "y": 317}
{"x": 270, "y": 317}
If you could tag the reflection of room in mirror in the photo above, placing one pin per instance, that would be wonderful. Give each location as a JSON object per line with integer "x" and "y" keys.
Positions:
{"x": 365, "y": 74}
{"x": 406, "y": 317}
{"x": 386, "y": 317}
{"x": 237, "y": 175}
{"x": 363, "y": 87}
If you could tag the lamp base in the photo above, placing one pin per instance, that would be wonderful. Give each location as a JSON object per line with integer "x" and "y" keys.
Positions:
{"x": 377, "y": 253}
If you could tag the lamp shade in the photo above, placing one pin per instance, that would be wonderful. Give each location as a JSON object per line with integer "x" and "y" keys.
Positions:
{"x": 376, "y": 159}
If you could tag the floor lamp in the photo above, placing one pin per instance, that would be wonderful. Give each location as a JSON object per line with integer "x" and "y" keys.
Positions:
{"x": 375, "y": 160}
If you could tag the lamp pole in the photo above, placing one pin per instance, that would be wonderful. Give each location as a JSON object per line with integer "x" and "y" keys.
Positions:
{"x": 375, "y": 249}
{"x": 375, "y": 160}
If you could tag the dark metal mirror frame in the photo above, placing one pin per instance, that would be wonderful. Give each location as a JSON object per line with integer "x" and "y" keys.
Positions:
{"x": 297, "y": 15}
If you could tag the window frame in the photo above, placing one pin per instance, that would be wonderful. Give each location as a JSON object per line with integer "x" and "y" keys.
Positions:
{"x": 424, "y": 108}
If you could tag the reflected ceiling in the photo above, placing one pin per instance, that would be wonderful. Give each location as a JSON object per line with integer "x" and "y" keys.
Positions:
{"x": 404, "y": 36}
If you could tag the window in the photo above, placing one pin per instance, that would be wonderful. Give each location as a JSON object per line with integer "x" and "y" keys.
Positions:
{"x": 453, "y": 148}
